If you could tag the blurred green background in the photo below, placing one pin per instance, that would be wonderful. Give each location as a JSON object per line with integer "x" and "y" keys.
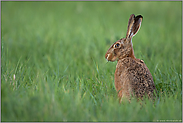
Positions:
{"x": 53, "y": 66}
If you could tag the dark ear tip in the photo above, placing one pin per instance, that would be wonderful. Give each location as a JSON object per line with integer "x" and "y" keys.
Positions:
{"x": 139, "y": 16}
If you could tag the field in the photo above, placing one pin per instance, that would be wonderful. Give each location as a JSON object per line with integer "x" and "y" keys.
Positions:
{"x": 53, "y": 66}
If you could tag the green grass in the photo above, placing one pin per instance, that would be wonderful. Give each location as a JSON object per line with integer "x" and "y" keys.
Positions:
{"x": 56, "y": 52}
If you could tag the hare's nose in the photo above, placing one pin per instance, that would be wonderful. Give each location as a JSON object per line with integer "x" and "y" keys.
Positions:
{"x": 107, "y": 56}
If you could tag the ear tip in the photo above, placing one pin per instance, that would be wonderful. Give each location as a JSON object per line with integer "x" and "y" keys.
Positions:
{"x": 139, "y": 16}
{"x": 132, "y": 15}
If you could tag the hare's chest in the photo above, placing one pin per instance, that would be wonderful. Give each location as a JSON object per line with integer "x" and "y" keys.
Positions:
{"x": 122, "y": 80}
{"x": 127, "y": 70}
{"x": 121, "y": 75}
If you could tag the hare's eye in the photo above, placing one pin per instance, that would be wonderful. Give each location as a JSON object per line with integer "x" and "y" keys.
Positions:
{"x": 117, "y": 45}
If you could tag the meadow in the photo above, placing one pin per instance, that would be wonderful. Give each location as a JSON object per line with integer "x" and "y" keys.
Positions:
{"x": 53, "y": 66}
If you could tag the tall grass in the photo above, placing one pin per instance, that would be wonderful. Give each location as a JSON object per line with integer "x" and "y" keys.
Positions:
{"x": 53, "y": 66}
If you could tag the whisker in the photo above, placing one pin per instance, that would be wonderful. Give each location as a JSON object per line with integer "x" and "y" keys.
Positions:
{"x": 107, "y": 62}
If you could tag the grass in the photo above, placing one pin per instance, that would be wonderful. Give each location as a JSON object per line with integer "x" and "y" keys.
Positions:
{"x": 53, "y": 66}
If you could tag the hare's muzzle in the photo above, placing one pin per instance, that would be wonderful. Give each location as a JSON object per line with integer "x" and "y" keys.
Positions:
{"x": 109, "y": 57}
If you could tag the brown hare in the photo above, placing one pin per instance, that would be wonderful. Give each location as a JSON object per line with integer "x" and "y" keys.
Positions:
{"x": 132, "y": 77}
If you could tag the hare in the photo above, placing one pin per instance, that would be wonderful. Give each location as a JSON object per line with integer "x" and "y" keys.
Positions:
{"x": 132, "y": 77}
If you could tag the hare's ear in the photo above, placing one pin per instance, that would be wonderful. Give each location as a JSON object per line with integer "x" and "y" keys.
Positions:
{"x": 134, "y": 24}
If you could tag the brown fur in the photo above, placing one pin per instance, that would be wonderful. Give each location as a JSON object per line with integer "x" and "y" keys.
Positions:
{"x": 132, "y": 77}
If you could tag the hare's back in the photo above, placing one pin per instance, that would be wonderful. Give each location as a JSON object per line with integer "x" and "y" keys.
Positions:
{"x": 139, "y": 77}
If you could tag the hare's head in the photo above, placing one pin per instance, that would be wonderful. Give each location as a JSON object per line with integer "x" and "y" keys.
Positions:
{"x": 123, "y": 47}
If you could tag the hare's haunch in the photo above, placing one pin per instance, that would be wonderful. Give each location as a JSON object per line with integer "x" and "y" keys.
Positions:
{"x": 132, "y": 77}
